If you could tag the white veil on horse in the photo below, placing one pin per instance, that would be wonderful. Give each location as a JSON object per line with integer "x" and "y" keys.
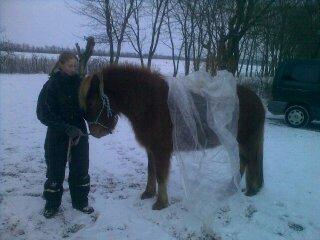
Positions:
{"x": 204, "y": 111}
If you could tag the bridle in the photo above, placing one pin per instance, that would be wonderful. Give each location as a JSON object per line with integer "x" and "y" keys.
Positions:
{"x": 105, "y": 105}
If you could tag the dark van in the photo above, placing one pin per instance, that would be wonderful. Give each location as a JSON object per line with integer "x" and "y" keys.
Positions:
{"x": 296, "y": 92}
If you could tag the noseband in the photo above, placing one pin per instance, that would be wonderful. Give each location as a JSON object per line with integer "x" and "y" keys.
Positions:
{"x": 105, "y": 105}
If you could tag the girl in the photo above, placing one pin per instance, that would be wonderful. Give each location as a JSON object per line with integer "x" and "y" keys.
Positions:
{"x": 58, "y": 108}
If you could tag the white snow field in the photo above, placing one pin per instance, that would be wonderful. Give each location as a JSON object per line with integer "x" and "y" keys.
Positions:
{"x": 286, "y": 208}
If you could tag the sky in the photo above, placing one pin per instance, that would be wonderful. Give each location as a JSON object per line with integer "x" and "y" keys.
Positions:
{"x": 41, "y": 22}
{"x": 47, "y": 22}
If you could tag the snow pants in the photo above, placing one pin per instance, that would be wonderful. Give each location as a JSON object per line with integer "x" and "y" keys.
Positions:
{"x": 56, "y": 149}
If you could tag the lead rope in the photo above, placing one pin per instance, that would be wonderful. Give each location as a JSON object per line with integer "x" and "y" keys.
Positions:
{"x": 70, "y": 146}
{"x": 69, "y": 151}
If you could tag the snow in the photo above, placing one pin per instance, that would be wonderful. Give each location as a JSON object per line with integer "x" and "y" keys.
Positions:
{"x": 286, "y": 208}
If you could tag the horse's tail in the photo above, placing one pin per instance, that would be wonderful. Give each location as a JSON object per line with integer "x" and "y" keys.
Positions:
{"x": 250, "y": 138}
{"x": 252, "y": 158}
{"x": 258, "y": 178}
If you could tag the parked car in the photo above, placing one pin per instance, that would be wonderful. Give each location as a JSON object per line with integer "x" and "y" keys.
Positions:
{"x": 296, "y": 92}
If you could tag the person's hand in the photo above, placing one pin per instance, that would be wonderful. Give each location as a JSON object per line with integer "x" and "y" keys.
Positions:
{"x": 74, "y": 133}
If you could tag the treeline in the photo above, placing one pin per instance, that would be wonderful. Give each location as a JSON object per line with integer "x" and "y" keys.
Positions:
{"x": 289, "y": 30}
{"x": 19, "y": 63}
{"x": 231, "y": 34}
{"x": 10, "y": 47}
{"x": 12, "y": 63}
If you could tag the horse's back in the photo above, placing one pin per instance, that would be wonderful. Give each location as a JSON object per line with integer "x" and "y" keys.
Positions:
{"x": 250, "y": 123}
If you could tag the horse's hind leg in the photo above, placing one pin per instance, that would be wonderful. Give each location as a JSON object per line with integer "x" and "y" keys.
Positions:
{"x": 254, "y": 165}
{"x": 151, "y": 184}
{"x": 162, "y": 163}
{"x": 243, "y": 162}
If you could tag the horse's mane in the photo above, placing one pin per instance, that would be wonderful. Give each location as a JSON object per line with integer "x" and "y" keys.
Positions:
{"x": 83, "y": 91}
{"x": 122, "y": 71}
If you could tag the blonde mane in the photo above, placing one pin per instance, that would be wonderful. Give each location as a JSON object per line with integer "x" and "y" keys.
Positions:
{"x": 83, "y": 91}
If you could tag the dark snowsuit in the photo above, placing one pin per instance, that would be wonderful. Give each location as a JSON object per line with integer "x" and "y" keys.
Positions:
{"x": 58, "y": 108}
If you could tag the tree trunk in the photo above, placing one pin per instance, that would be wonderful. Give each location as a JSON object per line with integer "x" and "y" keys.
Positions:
{"x": 84, "y": 57}
{"x": 228, "y": 54}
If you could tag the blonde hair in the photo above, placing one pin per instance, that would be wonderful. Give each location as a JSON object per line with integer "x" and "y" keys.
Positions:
{"x": 63, "y": 58}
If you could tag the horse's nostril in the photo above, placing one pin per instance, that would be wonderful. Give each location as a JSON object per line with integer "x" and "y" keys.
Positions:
{"x": 101, "y": 132}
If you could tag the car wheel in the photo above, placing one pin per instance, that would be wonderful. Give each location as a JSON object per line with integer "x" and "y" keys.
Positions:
{"x": 297, "y": 116}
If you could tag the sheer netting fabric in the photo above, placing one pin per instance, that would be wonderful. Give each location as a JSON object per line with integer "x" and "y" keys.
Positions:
{"x": 204, "y": 111}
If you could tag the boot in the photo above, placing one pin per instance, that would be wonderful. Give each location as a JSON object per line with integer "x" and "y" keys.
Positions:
{"x": 87, "y": 209}
{"x": 52, "y": 193}
{"x": 79, "y": 190}
{"x": 50, "y": 212}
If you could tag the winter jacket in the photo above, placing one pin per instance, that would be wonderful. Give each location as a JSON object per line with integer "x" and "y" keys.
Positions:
{"x": 58, "y": 105}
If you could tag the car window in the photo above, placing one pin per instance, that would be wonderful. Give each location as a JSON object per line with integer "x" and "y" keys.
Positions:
{"x": 308, "y": 73}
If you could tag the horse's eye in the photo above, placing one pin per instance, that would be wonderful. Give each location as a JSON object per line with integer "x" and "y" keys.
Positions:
{"x": 90, "y": 104}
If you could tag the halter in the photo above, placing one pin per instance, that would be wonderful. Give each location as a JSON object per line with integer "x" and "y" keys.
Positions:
{"x": 105, "y": 104}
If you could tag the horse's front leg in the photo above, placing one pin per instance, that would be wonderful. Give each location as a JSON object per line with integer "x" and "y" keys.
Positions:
{"x": 150, "y": 191}
{"x": 162, "y": 164}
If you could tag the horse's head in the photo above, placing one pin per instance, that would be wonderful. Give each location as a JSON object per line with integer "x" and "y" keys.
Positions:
{"x": 99, "y": 107}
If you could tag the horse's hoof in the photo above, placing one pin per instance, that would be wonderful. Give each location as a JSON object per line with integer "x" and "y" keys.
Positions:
{"x": 251, "y": 192}
{"x": 146, "y": 195}
{"x": 159, "y": 205}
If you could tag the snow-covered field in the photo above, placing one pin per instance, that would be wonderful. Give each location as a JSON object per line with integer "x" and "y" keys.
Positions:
{"x": 163, "y": 65}
{"x": 287, "y": 207}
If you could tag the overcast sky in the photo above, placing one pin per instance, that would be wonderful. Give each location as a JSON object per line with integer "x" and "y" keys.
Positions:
{"x": 40, "y": 22}
{"x": 46, "y": 22}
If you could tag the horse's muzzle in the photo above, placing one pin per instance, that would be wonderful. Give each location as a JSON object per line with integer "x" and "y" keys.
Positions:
{"x": 98, "y": 131}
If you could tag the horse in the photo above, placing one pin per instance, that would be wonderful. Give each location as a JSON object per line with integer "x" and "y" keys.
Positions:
{"x": 141, "y": 95}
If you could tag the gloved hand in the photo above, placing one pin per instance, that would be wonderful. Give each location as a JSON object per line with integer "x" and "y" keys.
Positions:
{"x": 74, "y": 133}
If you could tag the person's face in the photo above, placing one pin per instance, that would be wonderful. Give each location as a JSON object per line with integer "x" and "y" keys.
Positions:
{"x": 69, "y": 67}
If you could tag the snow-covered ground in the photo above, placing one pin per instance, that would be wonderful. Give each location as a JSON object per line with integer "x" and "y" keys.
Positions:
{"x": 287, "y": 207}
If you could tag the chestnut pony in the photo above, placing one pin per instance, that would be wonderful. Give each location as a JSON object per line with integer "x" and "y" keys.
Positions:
{"x": 141, "y": 95}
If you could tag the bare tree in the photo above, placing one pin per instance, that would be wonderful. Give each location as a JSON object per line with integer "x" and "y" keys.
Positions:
{"x": 122, "y": 13}
{"x": 85, "y": 55}
{"x": 200, "y": 33}
{"x": 281, "y": 35}
{"x": 186, "y": 26}
{"x": 135, "y": 34}
{"x": 173, "y": 44}
{"x": 111, "y": 18}
{"x": 159, "y": 9}
{"x": 229, "y": 21}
